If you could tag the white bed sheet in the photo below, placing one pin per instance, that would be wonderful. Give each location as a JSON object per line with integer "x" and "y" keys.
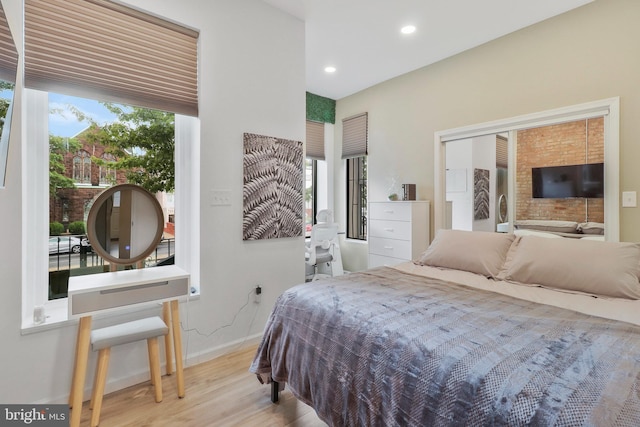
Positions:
{"x": 625, "y": 310}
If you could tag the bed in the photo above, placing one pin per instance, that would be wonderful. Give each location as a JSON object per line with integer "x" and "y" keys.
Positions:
{"x": 553, "y": 228}
{"x": 484, "y": 329}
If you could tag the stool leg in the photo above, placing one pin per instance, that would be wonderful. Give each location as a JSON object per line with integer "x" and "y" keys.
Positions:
{"x": 154, "y": 363}
{"x": 98, "y": 386}
{"x": 94, "y": 391}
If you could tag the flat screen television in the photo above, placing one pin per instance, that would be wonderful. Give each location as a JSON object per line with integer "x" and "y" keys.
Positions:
{"x": 562, "y": 182}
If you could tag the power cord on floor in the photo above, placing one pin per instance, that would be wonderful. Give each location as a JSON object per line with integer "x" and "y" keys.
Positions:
{"x": 209, "y": 334}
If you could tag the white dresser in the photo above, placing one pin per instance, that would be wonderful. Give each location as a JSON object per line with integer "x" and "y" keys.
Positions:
{"x": 398, "y": 231}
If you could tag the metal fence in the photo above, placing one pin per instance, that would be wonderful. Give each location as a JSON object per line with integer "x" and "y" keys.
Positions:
{"x": 73, "y": 256}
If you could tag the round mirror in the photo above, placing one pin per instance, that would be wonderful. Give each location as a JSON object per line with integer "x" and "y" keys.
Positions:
{"x": 125, "y": 224}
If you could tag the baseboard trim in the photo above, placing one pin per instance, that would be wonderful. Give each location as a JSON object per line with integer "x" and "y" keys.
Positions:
{"x": 142, "y": 375}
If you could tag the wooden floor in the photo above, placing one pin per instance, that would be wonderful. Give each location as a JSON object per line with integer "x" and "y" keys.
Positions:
{"x": 220, "y": 392}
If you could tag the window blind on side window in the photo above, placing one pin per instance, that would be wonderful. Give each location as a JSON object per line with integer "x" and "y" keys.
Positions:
{"x": 107, "y": 51}
{"x": 315, "y": 140}
{"x": 8, "y": 53}
{"x": 354, "y": 136}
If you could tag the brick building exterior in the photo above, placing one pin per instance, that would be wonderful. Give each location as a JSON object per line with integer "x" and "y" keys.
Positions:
{"x": 564, "y": 144}
{"x": 73, "y": 204}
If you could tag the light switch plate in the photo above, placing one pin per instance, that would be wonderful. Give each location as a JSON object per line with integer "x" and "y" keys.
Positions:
{"x": 220, "y": 197}
{"x": 629, "y": 199}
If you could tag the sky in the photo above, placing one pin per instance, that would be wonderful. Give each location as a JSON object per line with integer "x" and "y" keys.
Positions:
{"x": 65, "y": 123}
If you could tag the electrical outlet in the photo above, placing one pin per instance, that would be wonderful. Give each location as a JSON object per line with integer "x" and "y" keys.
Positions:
{"x": 257, "y": 295}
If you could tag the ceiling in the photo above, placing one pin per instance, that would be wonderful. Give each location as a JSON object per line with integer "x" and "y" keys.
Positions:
{"x": 362, "y": 39}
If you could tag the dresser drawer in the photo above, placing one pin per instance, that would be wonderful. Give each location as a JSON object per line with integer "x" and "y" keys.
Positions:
{"x": 390, "y": 247}
{"x": 400, "y": 230}
{"x": 381, "y": 261}
{"x": 396, "y": 211}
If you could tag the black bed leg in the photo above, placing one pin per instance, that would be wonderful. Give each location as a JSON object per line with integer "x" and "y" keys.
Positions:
{"x": 275, "y": 391}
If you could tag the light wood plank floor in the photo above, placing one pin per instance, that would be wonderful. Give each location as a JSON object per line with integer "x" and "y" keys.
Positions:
{"x": 220, "y": 392}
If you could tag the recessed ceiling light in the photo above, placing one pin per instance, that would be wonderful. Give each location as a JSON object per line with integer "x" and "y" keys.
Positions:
{"x": 330, "y": 69}
{"x": 408, "y": 29}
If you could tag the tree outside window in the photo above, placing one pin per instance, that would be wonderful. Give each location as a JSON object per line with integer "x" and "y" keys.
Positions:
{"x": 107, "y": 173}
{"x": 135, "y": 145}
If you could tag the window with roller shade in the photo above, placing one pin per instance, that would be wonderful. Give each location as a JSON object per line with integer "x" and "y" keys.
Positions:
{"x": 354, "y": 151}
{"x": 314, "y": 156}
{"x": 106, "y": 52}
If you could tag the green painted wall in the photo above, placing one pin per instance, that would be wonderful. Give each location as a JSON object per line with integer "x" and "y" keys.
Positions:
{"x": 321, "y": 109}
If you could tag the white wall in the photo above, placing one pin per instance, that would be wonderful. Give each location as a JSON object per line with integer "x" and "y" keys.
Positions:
{"x": 484, "y": 157}
{"x": 460, "y": 193}
{"x": 467, "y": 155}
{"x": 251, "y": 80}
{"x": 584, "y": 55}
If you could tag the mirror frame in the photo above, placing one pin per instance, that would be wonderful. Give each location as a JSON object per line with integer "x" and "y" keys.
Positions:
{"x": 608, "y": 108}
{"x": 93, "y": 213}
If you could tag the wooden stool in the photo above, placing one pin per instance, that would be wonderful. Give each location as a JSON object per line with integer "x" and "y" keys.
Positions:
{"x": 103, "y": 339}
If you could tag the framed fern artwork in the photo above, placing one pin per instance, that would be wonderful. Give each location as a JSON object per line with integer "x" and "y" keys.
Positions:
{"x": 273, "y": 185}
{"x": 480, "y": 194}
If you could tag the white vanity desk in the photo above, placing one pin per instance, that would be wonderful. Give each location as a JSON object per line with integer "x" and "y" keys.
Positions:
{"x": 103, "y": 293}
{"x": 125, "y": 225}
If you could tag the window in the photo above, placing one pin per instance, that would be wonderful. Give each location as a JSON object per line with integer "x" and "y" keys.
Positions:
{"x": 107, "y": 173}
{"x": 148, "y": 165}
{"x": 315, "y": 160}
{"x": 65, "y": 210}
{"x": 357, "y": 198}
{"x": 111, "y": 65}
{"x": 8, "y": 67}
{"x": 37, "y": 264}
{"x": 310, "y": 194}
{"x": 354, "y": 150}
{"x": 82, "y": 167}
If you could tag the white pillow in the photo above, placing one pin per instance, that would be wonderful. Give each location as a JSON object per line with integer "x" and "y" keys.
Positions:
{"x": 596, "y": 268}
{"x": 547, "y": 225}
{"x": 546, "y": 234}
{"x": 591, "y": 228}
{"x": 479, "y": 252}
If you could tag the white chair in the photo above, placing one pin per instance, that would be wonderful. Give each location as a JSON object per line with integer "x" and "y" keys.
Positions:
{"x": 322, "y": 252}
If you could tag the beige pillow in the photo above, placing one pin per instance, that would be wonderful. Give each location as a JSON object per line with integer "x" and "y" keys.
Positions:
{"x": 547, "y": 225}
{"x": 596, "y": 268}
{"x": 475, "y": 251}
{"x": 546, "y": 234}
{"x": 591, "y": 228}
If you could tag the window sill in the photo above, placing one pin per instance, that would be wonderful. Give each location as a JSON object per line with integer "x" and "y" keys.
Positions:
{"x": 56, "y": 316}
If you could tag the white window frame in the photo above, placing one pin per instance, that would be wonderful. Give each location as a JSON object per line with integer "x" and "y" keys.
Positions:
{"x": 35, "y": 208}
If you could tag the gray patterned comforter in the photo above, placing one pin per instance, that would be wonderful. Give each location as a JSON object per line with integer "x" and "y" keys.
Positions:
{"x": 386, "y": 348}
